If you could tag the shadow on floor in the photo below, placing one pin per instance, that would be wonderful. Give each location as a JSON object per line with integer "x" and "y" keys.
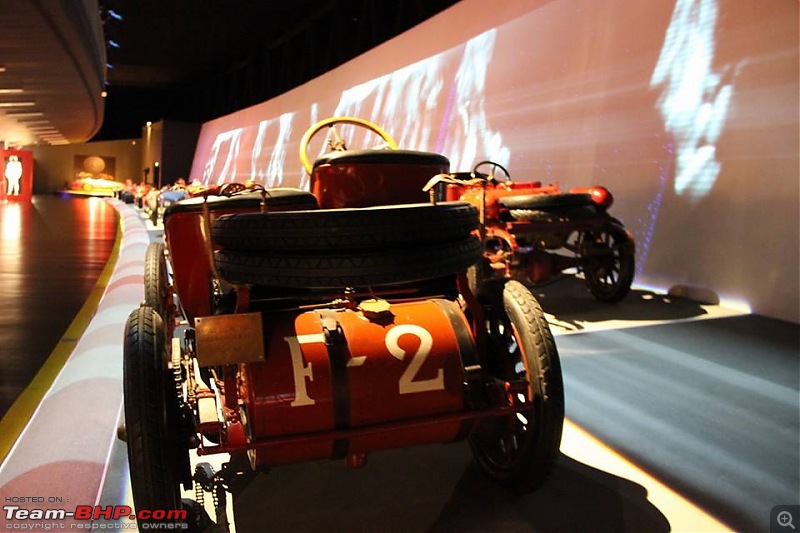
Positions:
{"x": 439, "y": 488}
{"x": 571, "y": 303}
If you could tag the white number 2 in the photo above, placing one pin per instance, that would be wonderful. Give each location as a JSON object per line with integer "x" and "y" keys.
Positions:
{"x": 407, "y": 383}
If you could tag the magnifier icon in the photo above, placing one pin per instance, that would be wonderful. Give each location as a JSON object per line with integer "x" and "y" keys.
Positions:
{"x": 785, "y": 519}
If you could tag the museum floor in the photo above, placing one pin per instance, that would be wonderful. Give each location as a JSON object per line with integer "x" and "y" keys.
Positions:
{"x": 681, "y": 416}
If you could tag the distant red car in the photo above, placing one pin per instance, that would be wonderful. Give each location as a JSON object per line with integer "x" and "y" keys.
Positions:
{"x": 96, "y": 186}
{"x": 535, "y": 232}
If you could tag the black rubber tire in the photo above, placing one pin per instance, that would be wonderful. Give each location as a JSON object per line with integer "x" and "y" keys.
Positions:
{"x": 337, "y": 268}
{"x": 158, "y": 463}
{"x": 156, "y": 280}
{"x": 520, "y": 345}
{"x": 554, "y": 215}
{"x": 346, "y": 229}
{"x": 543, "y": 201}
{"x": 608, "y": 276}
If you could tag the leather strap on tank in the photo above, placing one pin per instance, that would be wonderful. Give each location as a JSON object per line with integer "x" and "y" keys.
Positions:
{"x": 473, "y": 382}
{"x": 339, "y": 355}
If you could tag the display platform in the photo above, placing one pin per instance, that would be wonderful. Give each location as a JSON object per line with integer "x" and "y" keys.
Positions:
{"x": 86, "y": 194}
{"x": 681, "y": 417}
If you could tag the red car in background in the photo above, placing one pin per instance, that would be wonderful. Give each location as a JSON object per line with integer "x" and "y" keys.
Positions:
{"x": 90, "y": 186}
{"x": 535, "y": 232}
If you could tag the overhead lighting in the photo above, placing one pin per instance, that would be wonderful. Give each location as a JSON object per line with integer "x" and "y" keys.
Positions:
{"x": 24, "y": 114}
{"x": 33, "y": 121}
{"x": 2, "y": 69}
{"x": 17, "y": 104}
{"x": 113, "y": 44}
{"x": 114, "y": 15}
{"x": 10, "y": 91}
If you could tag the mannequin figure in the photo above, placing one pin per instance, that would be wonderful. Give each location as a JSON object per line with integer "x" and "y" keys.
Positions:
{"x": 13, "y": 175}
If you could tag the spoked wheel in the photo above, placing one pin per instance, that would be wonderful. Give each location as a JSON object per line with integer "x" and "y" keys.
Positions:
{"x": 156, "y": 280}
{"x": 520, "y": 450}
{"x": 608, "y": 262}
{"x": 157, "y": 452}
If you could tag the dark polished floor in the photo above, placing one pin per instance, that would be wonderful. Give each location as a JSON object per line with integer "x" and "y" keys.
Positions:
{"x": 52, "y": 252}
{"x": 709, "y": 407}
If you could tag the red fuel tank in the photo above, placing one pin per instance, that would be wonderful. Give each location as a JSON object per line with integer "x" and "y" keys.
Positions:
{"x": 328, "y": 370}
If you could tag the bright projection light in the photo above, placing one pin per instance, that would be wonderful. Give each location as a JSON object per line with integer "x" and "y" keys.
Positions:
{"x": 737, "y": 304}
{"x": 24, "y": 114}
{"x": 114, "y": 15}
{"x": 10, "y": 91}
{"x": 17, "y": 104}
{"x": 113, "y": 44}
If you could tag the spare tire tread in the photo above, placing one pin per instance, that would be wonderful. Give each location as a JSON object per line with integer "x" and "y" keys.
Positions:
{"x": 346, "y": 229}
{"x": 338, "y": 268}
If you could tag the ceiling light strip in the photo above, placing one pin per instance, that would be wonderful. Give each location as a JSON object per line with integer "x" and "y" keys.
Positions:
{"x": 24, "y": 114}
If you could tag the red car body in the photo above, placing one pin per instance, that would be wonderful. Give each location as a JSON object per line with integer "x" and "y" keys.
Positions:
{"x": 534, "y": 232}
{"x": 289, "y": 326}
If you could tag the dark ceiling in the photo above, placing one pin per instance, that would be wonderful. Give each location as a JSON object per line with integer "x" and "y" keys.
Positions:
{"x": 194, "y": 60}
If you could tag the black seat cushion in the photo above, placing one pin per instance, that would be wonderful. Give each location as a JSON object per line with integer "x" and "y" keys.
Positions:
{"x": 282, "y": 196}
{"x": 383, "y": 157}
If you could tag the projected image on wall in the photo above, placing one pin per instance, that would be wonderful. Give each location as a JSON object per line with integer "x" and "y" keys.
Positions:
{"x": 657, "y": 101}
{"x": 436, "y": 104}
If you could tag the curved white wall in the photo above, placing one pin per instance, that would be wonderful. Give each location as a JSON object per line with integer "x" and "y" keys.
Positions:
{"x": 687, "y": 110}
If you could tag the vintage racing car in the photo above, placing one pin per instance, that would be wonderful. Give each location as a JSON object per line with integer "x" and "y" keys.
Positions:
{"x": 91, "y": 186}
{"x": 282, "y": 326}
{"x": 535, "y": 232}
